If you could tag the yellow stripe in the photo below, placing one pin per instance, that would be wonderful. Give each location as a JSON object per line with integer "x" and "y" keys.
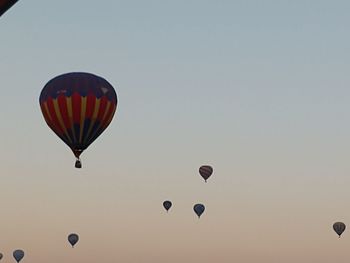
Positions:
{"x": 47, "y": 110}
{"x": 101, "y": 122}
{"x": 94, "y": 116}
{"x": 60, "y": 120}
{"x": 70, "y": 115}
{"x": 82, "y": 117}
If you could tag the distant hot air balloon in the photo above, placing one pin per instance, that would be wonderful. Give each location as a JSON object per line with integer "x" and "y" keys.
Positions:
{"x": 167, "y": 205}
{"x": 1, "y": 256}
{"x": 205, "y": 171}
{"x": 78, "y": 107}
{"x": 18, "y": 255}
{"x": 73, "y": 239}
{"x": 199, "y": 209}
{"x": 339, "y": 228}
{"x": 5, "y": 5}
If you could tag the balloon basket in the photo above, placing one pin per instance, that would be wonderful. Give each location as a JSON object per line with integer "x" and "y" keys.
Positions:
{"x": 78, "y": 164}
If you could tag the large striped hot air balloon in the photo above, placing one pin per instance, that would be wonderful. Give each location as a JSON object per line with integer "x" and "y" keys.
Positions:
{"x": 78, "y": 107}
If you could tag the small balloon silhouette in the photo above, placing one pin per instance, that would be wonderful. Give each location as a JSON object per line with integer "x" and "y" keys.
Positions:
{"x": 339, "y": 228}
{"x": 73, "y": 239}
{"x": 167, "y": 205}
{"x": 18, "y": 255}
{"x": 205, "y": 171}
{"x": 199, "y": 209}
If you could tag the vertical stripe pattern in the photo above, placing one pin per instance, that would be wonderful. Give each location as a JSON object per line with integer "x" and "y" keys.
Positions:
{"x": 78, "y": 107}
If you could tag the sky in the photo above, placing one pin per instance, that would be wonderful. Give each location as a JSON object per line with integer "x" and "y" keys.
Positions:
{"x": 257, "y": 89}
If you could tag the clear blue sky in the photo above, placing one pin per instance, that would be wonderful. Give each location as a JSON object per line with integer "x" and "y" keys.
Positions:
{"x": 258, "y": 89}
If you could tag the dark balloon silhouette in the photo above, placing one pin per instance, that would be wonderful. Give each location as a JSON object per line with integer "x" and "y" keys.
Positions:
{"x": 18, "y": 255}
{"x": 199, "y": 209}
{"x": 6, "y": 5}
{"x": 339, "y": 228}
{"x": 205, "y": 171}
{"x": 167, "y": 205}
{"x": 1, "y": 256}
{"x": 78, "y": 107}
{"x": 73, "y": 239}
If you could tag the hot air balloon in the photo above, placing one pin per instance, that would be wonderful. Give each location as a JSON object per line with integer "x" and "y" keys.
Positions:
{"x": 18, "y": 255}
{"x": 73, "y": 239}
{"x": 205, "y": 171}
{"x": 78, "y": 107}
{"x": 199, "y": 209}
{"x": 5, "y": 5}
{"x": 167, "y": 205}
{"x": 1, "y": 256}
{"x": 339, "y": 228}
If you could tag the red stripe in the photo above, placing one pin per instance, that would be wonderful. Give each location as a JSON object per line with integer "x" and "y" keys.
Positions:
{"x": 90, "y": 105}
{"x": 76, "y": 105}
{"x": 46, "y": 116}
{"x": 100, "y": 114}
{"x": 55, "y": 123}
{"x": 62, "y": 104}
{"x": 107, "y": 120}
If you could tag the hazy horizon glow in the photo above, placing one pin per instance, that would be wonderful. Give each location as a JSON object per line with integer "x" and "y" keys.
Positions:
{"x": 259, "y": 90}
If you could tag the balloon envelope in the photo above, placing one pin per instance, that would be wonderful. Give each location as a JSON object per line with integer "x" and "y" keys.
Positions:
{"x": 1, "y": 256}
{"x": 339, "y": 228}
{"x": 167, "y": 205}
{"x": 18, "y": 255}
{"x": 199, "y": 209}
{"x": 73, "y": 239}
{"x": 205, "y": 171}
{"x": 5, "y": 5}
{"x": 78, "y": 107}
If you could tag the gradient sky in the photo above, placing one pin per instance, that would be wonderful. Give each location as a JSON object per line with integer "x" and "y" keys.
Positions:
{"x": 258, "y": 89}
